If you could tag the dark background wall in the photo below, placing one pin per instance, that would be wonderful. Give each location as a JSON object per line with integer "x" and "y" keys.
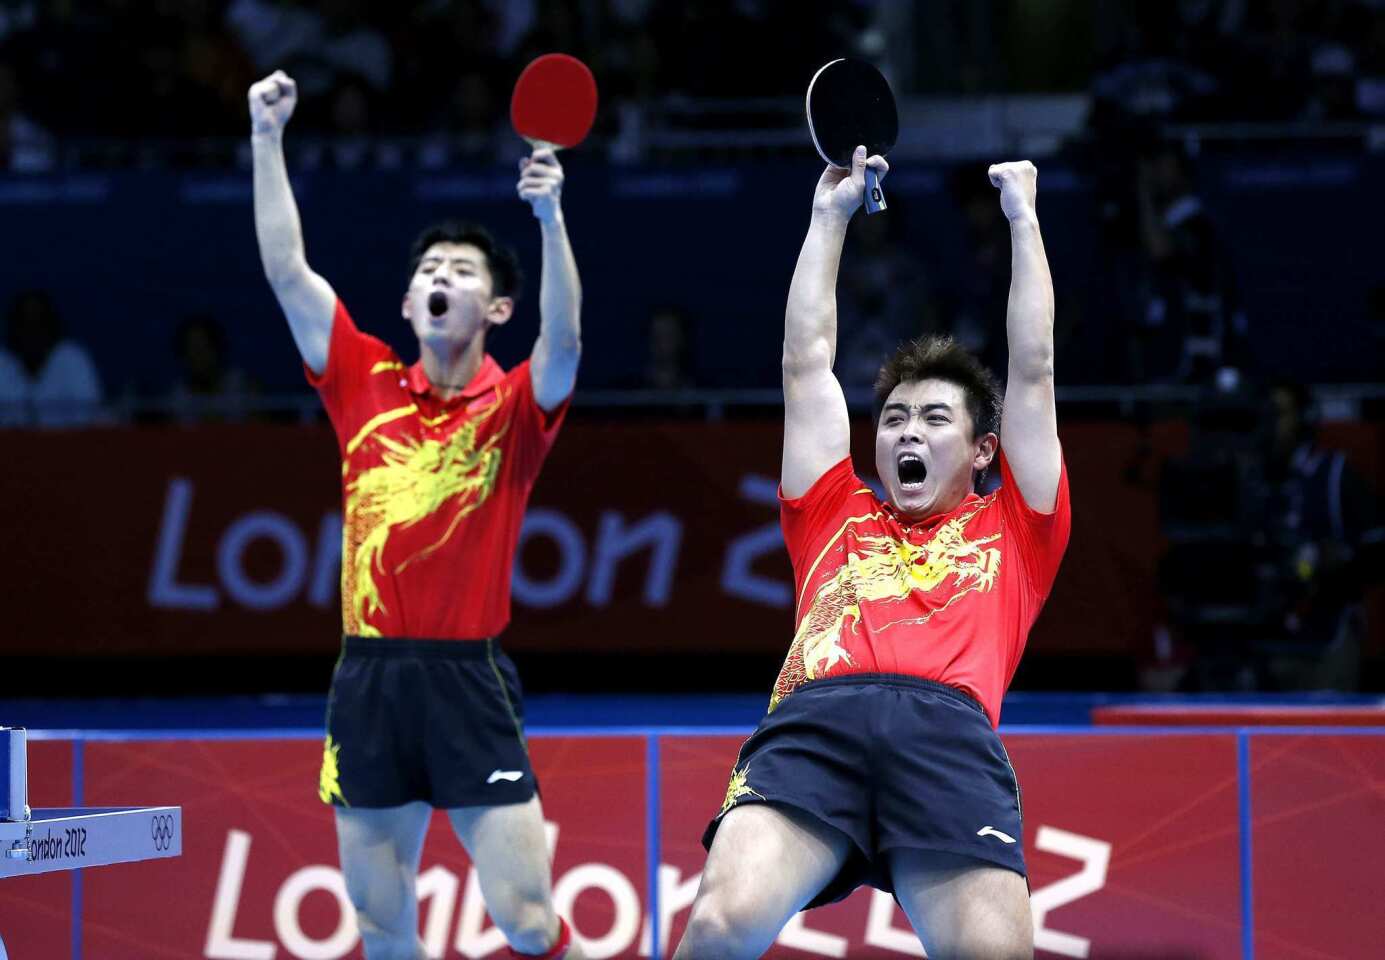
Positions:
{"x": 125, "y": 254}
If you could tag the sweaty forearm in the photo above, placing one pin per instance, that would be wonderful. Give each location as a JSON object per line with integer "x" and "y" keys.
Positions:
{"x": 1029, "y": 312}
{"x": 810, "y": 318}
{"x": 277, "y": 226}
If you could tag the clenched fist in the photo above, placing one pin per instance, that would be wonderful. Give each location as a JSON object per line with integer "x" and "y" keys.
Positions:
{"x": 271, "y": 102}
{"x": 1018, "y": 183}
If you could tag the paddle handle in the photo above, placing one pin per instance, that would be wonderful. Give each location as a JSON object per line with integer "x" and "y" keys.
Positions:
{"x": 875, "y": 197}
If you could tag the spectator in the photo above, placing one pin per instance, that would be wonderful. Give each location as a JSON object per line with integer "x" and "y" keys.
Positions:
{"x": 208, "y": 387}
{"x": 24, "y": 145}
{"x": 472, "y": 118}
{"x": 1217, "y": 609}
{"x": 1370, "y": 88}
{"x": 1144, "y": 77}
{"x": 320, "y": 45}
{"x": 1332, "y": 93}
{"x": 1273, "y": 539}
{"x": 447, "y": 79}
{"x": 556, "y": 25}
{"x": 1191, "y": 328}
{"x": 351, "y": 125}
{"x": 668, "y": 363}
{"x": 1375, "y": 320}
{"x": 1326, "y": 538}
{"x": 45, "y": 379}
{"x": 214, "y": 64}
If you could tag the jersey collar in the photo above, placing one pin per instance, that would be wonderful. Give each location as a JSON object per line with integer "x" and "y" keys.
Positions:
{"x": 908, "y": 522}
{"x": 486, "y": 378}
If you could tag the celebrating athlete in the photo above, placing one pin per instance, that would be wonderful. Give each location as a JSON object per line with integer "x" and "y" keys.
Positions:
{"x": 438, "y": 460}
{"x": 878, "y": 761}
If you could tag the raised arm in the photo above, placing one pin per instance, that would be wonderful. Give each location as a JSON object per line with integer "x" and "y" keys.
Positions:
{"x": 1029, "y": 423}
{"x": 817, "y": 433}
{"x": 553, "y": 364}
{"x": 306, "y": 299}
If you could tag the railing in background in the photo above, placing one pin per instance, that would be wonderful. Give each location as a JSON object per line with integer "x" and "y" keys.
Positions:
{"x": 1344, "y": 401}
{"x": 686, "y": 129}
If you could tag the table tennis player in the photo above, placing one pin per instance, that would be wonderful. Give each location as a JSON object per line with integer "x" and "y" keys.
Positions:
{"x": 438, "y": 460}
{"x": 878, "y": 762}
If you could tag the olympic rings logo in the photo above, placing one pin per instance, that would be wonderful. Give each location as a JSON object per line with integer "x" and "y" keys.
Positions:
{"x": 161, "y": 830}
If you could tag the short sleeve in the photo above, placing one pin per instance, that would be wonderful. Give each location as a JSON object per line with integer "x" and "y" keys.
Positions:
{"x": 804, "y": 517}
{"x": 535, "y": 428}
{"x": 351, "y": 356}
{"x": 1042, "y": 538}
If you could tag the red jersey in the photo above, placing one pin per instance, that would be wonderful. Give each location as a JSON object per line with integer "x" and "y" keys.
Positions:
{"x": 949, "y": 599}
{"x": 433, "y": 491}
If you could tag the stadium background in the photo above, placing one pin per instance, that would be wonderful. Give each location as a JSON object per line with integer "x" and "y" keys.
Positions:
{"x": 1210, "y": 194}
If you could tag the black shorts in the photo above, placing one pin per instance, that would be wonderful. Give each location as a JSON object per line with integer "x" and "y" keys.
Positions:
{"x": 893, "y": 762}
{"x": 434, "y": 720}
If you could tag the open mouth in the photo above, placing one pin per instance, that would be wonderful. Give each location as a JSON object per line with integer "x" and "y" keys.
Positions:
{"x": 437, "y": 303}
{"x": 912, "y": 471}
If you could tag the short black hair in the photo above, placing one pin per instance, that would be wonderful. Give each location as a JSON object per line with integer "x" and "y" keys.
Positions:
{"x": 1305, "y": 405}
{"x": 506, "y": 277}
{"x": 204, "y": 322}
{"x": 41, "y": 302}
{"x": 933, "y": 357}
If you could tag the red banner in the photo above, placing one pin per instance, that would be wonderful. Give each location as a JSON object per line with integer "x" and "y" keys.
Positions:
{"x": 259, "y": 872}
{"x": 1133, "y": 842}
{"x": 640, "y": 538}
{"x": 643, "y": 537}
{"x": 1317, "y": 804}
{"x": 38, "y": 910}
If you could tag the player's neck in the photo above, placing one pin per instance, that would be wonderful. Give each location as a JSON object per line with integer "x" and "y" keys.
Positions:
{"x": 451, "y": 366}
{"x": 934, "y": 510}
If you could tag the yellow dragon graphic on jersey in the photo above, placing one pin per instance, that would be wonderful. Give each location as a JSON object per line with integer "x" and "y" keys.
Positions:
{"x": 883, "y": 568}
{"x": 416, "y": 478}
{"x": 329, "y": 778}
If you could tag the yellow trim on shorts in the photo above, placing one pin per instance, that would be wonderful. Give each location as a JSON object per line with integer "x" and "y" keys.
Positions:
{"x": 505, "y": 692}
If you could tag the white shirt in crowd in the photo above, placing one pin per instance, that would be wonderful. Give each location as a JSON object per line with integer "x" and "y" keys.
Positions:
{"x": 65, "y": 393}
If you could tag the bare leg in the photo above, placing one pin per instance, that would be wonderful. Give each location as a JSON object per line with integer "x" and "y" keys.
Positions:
{"x": 379, "y": 859}
{"x": 963, "y": 908}
{"x": 765, "y": 864}
{"x": 507, "y": 845}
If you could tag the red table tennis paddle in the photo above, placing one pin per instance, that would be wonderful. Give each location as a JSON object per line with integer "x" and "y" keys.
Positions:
{"x": 554, "y": 103}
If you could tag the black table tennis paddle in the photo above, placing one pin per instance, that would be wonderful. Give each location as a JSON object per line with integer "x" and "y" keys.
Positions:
{"x": 849, "y": 104}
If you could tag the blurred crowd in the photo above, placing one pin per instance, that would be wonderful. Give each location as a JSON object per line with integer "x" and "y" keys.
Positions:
{"x": 115, "y": 74}
{"x": 1308, "y": 61}
{"x": 48, "y": 379}
{"x": 111, "y": 70}
{"x": 1273, "y": 540}
{"x": 180, "y": 68}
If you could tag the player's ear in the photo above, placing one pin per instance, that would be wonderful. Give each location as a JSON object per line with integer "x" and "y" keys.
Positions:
{"x": 986, "y": 447}
{"x": 406, "y": 309}
{"x": 499, "y": 310}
